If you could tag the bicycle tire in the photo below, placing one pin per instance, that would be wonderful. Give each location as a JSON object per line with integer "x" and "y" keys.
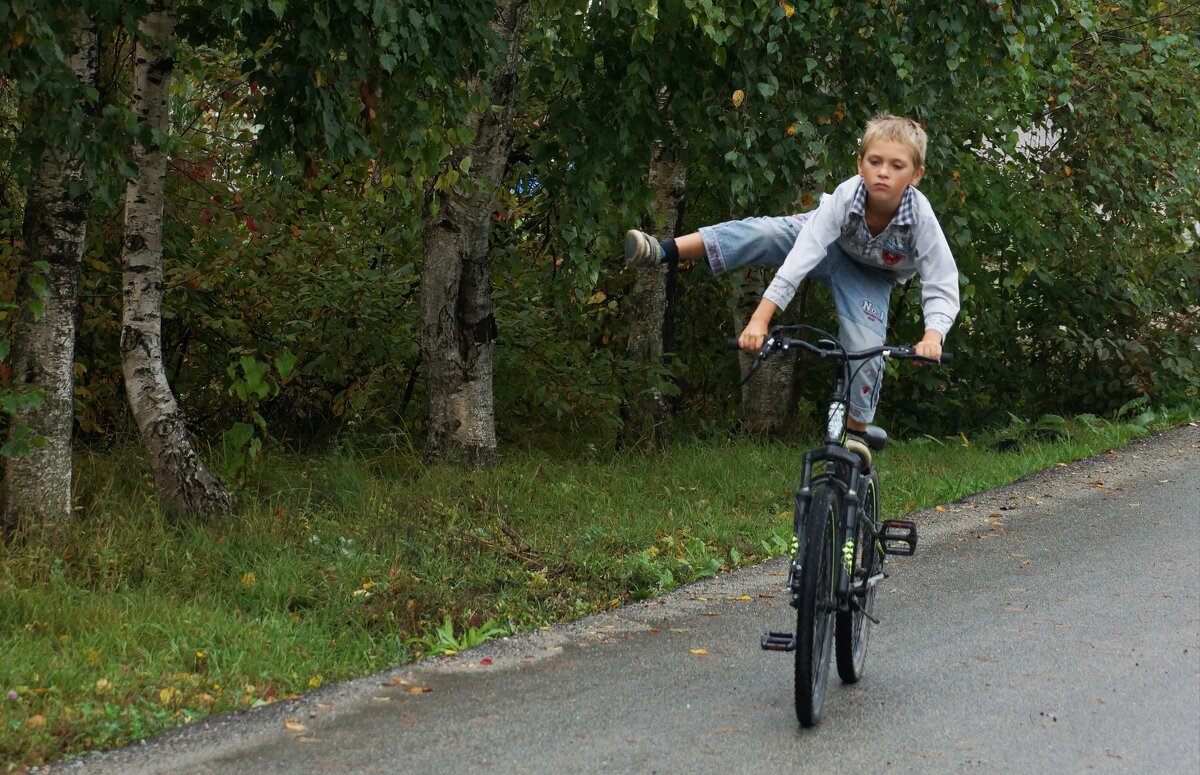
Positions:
{"x": 853, "y": 628}
{"x": 814, "y": 633}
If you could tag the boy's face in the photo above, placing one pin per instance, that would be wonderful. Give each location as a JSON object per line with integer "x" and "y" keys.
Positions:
{"x": 887, "y": 168}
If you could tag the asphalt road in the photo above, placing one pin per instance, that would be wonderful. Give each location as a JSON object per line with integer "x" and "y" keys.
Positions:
{"x": 1052, "y": 626}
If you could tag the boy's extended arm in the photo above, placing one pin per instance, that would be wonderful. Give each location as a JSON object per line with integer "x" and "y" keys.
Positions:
{"x": 939, "y": 275}
{"x": 822, "y": 228}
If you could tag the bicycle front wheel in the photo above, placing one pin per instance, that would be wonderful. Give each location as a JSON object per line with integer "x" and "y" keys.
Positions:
{"x": 866, "y": 562}
{"x": 814, "y": 633}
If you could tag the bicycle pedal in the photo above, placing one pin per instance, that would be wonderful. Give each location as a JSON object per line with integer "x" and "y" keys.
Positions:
{"x": 778, "y": 641}
{"x": 899, "y": 536}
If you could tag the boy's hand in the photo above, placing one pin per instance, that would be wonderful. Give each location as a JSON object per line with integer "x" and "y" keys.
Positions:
{"x": 930, "y": 346}
{"x": 755, "y": 332}
{"x": 753, "y": 336}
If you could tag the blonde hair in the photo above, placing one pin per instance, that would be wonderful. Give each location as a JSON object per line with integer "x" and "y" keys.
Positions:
{"x": 888, "y": 128}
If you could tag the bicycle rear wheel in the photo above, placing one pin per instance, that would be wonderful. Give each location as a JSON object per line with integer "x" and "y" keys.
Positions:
{"x": 854, "y": 627}
{"x": 814, "y": 633}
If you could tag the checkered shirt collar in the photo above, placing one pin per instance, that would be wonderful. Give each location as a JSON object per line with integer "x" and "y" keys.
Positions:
{"x": 906, "y": 215}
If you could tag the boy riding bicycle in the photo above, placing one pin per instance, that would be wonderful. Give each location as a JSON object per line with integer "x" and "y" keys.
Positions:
{"x": 875, "y": 231}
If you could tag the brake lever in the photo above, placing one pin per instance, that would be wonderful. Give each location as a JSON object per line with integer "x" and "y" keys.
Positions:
{"x": 764, "y": 352}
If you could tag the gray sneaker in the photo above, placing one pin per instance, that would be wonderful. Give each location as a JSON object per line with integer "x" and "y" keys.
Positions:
{"x": 641, "y": 250}
{"x": 858, "y": 445}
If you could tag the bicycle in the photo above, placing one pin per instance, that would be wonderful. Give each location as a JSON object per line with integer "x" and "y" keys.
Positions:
{"x": 840, "y": 541}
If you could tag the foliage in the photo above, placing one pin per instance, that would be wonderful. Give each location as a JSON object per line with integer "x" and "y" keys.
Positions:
{"x": 1073, "y": 223}
{"x": 306, "y": 142}
{"x": 444, "y": 639}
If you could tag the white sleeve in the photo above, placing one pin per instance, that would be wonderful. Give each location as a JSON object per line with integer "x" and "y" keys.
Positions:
{"x": 823, "y": 227}
{"x": 939, "y": 273}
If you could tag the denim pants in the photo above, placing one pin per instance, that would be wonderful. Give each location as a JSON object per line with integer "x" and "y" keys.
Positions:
{"x": 860, "y": 293}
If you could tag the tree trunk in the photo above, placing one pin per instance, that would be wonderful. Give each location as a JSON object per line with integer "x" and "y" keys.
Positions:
{"x": 647, "y": 303}
{"x": 458, "y": 327}
{"x": 37, "y": 486}
{"x": 182, "y": 482}
{"x": 769, "y": 398}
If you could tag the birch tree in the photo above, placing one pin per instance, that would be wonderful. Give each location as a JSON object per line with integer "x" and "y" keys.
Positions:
{"x": 181, "y": 480}
{"x": 37, "y": 485}
{"x": 648, "y": 299}
{"x": 458, "y": 328}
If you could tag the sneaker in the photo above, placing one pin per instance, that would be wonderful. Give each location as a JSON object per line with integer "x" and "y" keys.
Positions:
{"x": 641, "y": 250}
{"x": 858, "y": 445}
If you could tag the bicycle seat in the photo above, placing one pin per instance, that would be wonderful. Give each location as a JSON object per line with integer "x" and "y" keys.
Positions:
{"x": 876, "y": 438}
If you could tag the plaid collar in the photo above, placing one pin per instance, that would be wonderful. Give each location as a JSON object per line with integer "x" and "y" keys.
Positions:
{"x": 906, "y": 214}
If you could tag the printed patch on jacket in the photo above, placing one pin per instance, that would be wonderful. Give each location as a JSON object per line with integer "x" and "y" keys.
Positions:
{"x": 894, "y": 251}
{"x": 871, "y": 311}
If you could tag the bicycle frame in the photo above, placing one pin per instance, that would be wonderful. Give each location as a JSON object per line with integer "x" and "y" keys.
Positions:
{"x": 846, "y": 487}
{"x": 843, "y": 470}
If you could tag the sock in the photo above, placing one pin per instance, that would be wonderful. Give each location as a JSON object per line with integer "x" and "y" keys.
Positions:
{"x": 670, "y": 252}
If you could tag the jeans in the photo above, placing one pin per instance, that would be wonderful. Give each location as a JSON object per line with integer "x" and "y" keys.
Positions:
{"x": 860, "y": 293}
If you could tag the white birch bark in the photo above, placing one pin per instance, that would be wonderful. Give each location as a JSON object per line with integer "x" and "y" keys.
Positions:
{"x": 646, "y": 304}
{"x": 37, "y": 486}
{"x": 182, "y": 482}
{"x": 458, "y": 328}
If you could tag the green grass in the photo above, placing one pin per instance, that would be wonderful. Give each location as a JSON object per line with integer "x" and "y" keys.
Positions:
{"x": 353, "y": 562}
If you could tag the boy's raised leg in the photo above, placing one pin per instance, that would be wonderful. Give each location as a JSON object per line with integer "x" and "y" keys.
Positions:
{"x": 644, "y": 250}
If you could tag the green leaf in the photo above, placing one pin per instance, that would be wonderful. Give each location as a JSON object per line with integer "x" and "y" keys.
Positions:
{"x": 39, "y": 286}
{"x": 284, "y": 364}
{"x": 239, "y": 435}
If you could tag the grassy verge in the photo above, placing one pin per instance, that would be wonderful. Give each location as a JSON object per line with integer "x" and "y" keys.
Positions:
{"x": 351, "y": 563}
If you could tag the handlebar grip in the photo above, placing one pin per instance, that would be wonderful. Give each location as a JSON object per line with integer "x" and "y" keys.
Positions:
{"x": 947, "y": 357}
{"x": 732, "y": 344}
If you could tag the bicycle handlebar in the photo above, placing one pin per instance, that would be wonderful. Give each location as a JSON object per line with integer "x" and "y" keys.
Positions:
{"x": 834, "y": 352}
{"x": 829, "y": 350}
